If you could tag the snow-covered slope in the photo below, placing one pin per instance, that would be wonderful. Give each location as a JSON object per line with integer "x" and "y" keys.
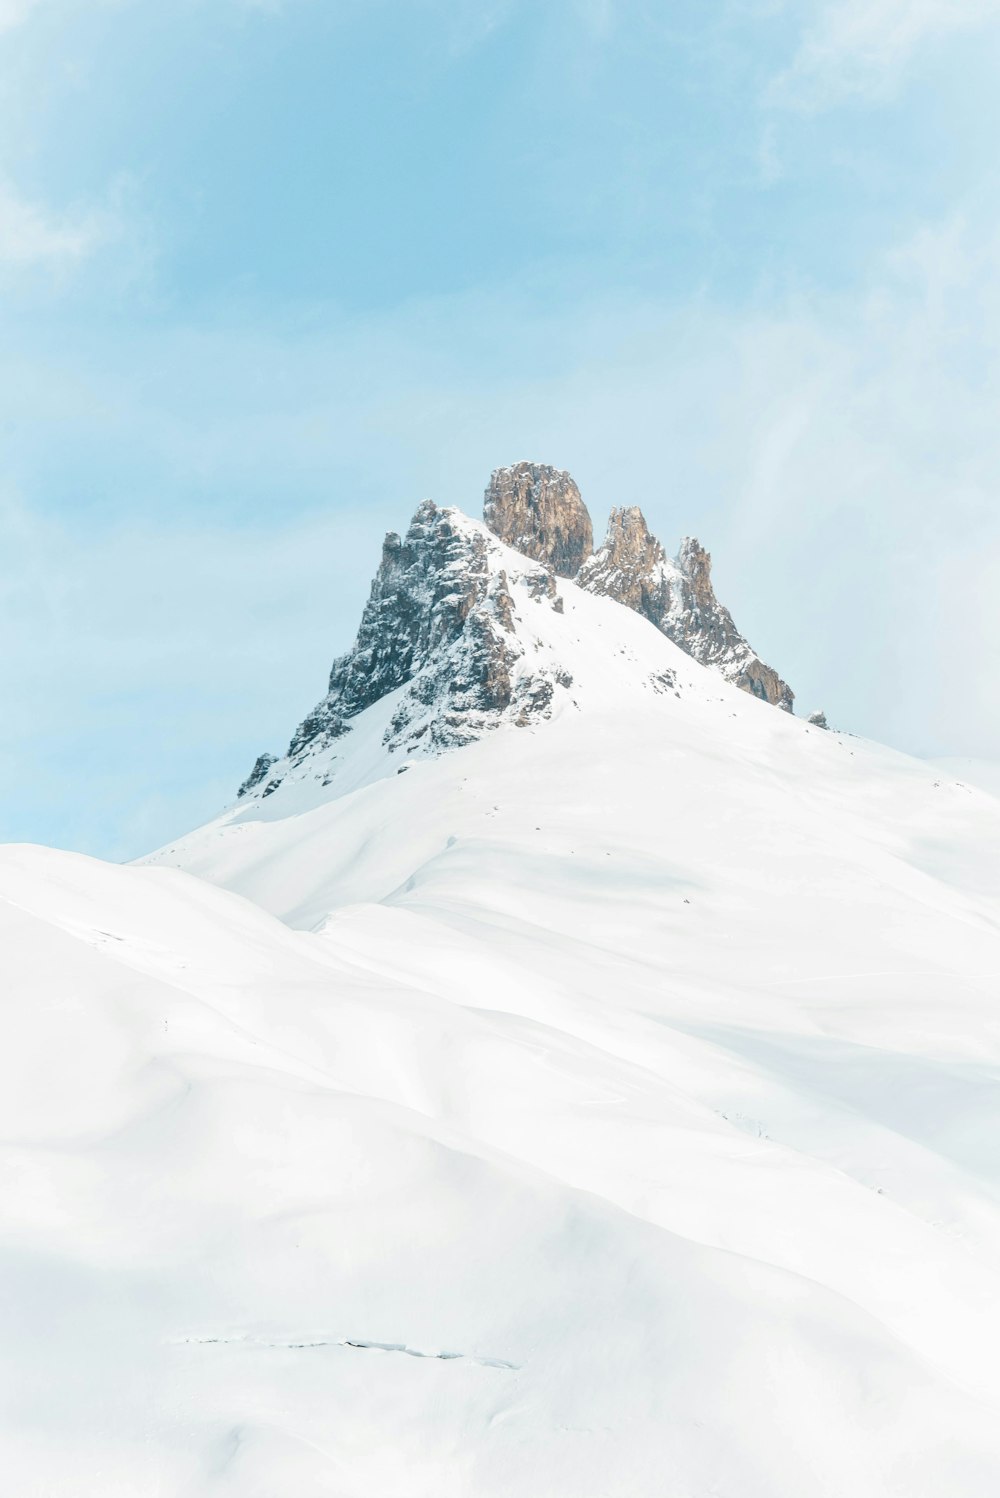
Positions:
{"x": 606, "y": 1105}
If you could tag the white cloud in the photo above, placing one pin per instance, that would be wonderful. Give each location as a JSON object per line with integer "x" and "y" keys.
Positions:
{"x": 861, "y": 48}
{"x": 13, "y": 12}
{"x": 31, "y": 235}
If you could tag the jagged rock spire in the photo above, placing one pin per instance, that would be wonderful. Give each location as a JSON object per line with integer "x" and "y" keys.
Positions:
{"x": 678, "y": 597}
{"x": 438, "y": 635}
{"x": 437, "y": 611}
{"x": 538, "y": 510}
{"x": 631, "y": 566}
{"x": 700, "y": 624}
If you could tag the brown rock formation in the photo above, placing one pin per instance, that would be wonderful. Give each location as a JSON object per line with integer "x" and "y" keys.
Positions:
{"x": 631, "y": 566}
{"x": 700, "y": 624}
{"x": 678, "y": 597}
{"x": 538, "y": 511}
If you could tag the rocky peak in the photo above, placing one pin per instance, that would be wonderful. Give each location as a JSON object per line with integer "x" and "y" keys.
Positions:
{"x": 678, "y": 597}
{"x": 696, "y": 564}
{"x": 706, "y": 629}
{"x": 445, "y": 632}
{"x": 538, "y": 510}
{"x": 438, "y": 634}
{"x": 630, "y": 567}
{"x": 628, "y": 544}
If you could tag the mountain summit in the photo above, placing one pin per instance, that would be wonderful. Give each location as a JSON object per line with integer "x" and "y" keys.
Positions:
{"x": 538, "y": 510}
{"x": 449, "y": 643}
{"x": 453, "y": 638}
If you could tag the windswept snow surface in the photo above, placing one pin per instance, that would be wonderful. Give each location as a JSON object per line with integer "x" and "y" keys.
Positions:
{"x": 608, "y": 1107}
{"x": 982, "y": 773}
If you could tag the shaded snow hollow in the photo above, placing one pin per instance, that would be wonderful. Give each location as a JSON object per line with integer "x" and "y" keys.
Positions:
{"x": 603, "y": 1107}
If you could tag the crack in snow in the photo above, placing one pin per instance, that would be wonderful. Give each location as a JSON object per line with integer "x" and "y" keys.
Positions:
{"x": 354, "y": 1342}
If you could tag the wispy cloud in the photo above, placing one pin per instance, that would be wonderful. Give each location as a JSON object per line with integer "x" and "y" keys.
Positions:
{"x": 861, "y": 48}
{"x": 838, "y": 455}
{"x": 31, "y": 234}
{"x": 13, "y": 12}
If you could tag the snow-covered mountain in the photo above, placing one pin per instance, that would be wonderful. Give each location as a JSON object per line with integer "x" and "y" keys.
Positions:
{"x": 446, "y": 628}
{"x": 560, "y": 1074}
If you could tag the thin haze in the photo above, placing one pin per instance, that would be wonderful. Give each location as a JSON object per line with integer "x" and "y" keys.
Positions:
{"x": 270, "y": 273}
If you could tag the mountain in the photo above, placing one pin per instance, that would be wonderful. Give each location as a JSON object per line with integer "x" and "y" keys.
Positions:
{"x": 559, "y": 1074}
{"x": 444, "y": 623}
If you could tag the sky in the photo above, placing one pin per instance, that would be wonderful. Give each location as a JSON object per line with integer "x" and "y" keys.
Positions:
{"x": 274, "y": 271}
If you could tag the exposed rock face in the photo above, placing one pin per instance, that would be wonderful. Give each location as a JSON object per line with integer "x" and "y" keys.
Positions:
{"x": 707, "y": 631}
{"x": 818, "y": 719}
{"x": 442, "y": 633}
{"x": 262, "y": 765}
{"x": 440, "y": 625}
{"x": 632, "y": 567}
{"x": 538, "y": 511}
{"x": 678, "y": 597}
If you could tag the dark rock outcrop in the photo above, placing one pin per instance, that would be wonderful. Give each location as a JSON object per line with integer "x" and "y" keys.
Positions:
{"x": 538, "y": 511}
{"x": 439, "y": 631}
{"x": 439, "y": 621}
{"x": 262, "y": 765}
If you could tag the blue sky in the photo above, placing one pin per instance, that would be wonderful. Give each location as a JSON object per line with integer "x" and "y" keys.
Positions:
{"x": 270, "y": 273}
